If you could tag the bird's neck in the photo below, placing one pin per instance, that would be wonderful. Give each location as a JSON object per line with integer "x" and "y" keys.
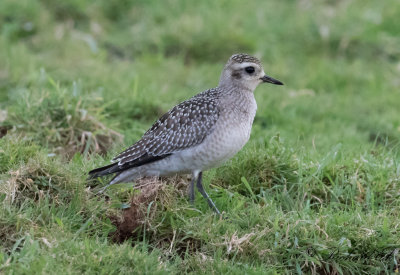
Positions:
{"x": 233, "y": 96}
{"x": 229, "y": 88}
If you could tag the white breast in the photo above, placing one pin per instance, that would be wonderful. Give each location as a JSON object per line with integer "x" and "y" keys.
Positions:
{"x": 231, "y": 133}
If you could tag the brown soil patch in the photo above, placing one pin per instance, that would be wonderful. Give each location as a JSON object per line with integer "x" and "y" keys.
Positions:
{"x": 4, "y": 130}
{"x": 152, "y": 194}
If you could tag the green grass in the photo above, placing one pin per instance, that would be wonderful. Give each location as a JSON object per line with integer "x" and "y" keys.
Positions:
{"x": 316, "y": 189}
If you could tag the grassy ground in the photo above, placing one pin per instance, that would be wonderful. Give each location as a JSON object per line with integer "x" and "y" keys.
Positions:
{"x": 316, "y": 190}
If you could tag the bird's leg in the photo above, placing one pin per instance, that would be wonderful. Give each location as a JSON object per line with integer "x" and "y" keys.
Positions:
{"x": 191, "y": 189}
{"x": 205, "y": 195}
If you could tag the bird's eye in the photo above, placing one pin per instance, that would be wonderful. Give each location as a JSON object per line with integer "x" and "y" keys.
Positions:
{"x": 249, "y": 69}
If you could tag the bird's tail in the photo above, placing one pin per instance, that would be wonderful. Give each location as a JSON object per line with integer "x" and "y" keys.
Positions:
{"x": 103, "y": 171}
{"x": 124, "y": 176}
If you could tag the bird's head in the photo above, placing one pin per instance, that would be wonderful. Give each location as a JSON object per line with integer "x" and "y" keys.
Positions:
{"x": 245, "y": 72}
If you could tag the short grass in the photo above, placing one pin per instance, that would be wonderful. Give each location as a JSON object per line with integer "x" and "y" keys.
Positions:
{"x": 316, "y": 190}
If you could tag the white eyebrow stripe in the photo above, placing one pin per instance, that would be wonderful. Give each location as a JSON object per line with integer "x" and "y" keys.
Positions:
{"x": 246, "y": 64}
{"x": 243, "y": 65}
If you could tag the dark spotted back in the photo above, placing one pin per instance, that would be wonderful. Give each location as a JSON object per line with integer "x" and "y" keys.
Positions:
{"x": 184, "y": 126}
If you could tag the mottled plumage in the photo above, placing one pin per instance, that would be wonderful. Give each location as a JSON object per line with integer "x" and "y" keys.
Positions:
{"x": 185, "y": 125}
{"x": 199, "y": 133}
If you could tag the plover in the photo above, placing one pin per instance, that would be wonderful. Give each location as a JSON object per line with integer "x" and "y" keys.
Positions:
{"x": 197, "y": 134}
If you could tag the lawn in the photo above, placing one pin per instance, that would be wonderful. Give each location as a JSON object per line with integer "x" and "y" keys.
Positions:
{"x": 315, "y": 190}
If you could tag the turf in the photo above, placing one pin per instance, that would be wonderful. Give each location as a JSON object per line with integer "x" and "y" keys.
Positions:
{"x": 316, "y": 189}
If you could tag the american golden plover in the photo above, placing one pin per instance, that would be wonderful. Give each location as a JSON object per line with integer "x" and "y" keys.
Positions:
{"x": 197, "y": 134}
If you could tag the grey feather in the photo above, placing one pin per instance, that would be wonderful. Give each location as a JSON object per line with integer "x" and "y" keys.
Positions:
{"x": 184, "y": 126}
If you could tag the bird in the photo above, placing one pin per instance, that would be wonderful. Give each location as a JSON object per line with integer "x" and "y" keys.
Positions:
{"x": 198, "y": 134}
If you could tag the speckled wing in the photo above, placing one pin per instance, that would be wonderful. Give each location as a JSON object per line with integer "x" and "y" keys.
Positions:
{"x": 184, "y": 126}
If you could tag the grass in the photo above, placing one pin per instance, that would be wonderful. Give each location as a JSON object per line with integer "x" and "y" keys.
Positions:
{"x": 316, "y": 189}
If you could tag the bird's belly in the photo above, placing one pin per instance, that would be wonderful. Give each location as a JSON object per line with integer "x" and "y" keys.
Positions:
{"x": 217, "y": 148}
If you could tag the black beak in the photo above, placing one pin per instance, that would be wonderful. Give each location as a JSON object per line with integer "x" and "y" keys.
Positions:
{"x": 271, "y": 80}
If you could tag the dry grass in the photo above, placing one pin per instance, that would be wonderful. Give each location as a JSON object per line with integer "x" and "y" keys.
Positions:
{"x": 316, "y": 190}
